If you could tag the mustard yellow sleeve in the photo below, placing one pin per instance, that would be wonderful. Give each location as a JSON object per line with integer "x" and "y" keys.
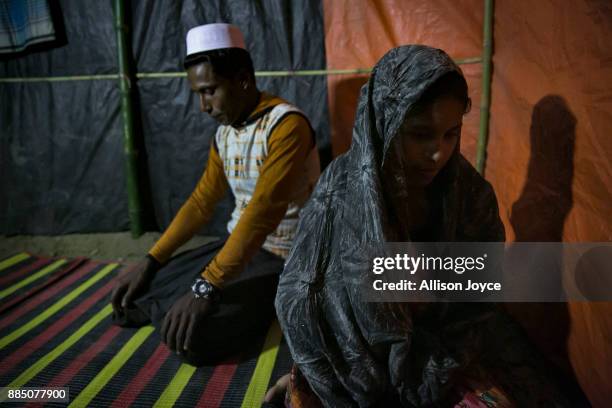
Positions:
{"x": 196, "y": 211}
{"x": 288, "y": 148}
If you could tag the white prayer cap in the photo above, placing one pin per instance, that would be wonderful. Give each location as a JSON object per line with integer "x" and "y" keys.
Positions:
{"x": 209, "y": 37}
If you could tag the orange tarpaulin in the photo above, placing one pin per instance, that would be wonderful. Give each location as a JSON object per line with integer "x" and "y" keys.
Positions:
{"x": 549, "y": 158}
{"x": 358, "y": 33}
{"x": 549, "y": 147}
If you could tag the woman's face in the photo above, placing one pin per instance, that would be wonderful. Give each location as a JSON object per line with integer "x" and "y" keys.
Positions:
{"x": 428, "y": 137}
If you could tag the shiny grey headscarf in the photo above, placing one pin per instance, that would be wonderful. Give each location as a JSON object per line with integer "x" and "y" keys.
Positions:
{"x": 353, "y": 352}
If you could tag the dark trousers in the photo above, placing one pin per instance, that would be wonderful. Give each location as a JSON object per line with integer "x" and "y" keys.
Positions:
{"x": 241, "y": 318}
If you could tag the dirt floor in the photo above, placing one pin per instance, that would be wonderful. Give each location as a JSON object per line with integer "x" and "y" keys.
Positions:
{"x": 118, "y": 246}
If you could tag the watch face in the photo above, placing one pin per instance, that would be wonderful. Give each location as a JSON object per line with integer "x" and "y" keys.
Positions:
{"x": 204, "y": 288}
{"x": 201, "y": 288}
{"x": 197, "y": 287}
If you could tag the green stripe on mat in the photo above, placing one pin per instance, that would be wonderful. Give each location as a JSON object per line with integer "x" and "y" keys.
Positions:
{"x": 263, "y": 370}
{"x": 7, "y": 263}
{"x": 176, "y": 386}
{"x": 44, "y": 271}
{"x": 107, "y": 373}
{"x": 8, "y": 339}
{"x": 47, "y": 359}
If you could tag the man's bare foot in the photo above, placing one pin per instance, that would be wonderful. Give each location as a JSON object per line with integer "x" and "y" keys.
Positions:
{"x": 276, "y": 394}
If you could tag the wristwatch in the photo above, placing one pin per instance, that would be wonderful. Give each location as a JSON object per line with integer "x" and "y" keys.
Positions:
{"x": 202, "y": 288}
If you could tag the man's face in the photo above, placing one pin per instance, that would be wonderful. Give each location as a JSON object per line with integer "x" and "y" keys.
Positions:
{"x": 220, "y": 97}
{"x": 428, "y": 138}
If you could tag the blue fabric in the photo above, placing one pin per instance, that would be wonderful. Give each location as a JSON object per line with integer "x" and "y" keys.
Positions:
{"x": 24, "y": 23}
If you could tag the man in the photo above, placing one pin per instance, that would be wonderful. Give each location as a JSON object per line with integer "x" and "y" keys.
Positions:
{"x": 211, "y": 302}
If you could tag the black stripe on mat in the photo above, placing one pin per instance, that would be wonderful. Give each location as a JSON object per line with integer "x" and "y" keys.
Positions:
{"x": 62, "y": 293}
{"x": 242, "y": 377}
{"x": 91, "y": 369}
{"x": 23, "y": 263}
{"x": 153, "y": 390}
{"x": 56, "y": 340}
{"x": 283, "y": 363}
{"x": 193, "y": 390}
{"x": 27, "y": 292}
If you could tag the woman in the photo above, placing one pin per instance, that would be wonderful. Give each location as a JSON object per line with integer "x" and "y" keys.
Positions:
{"x": 403, "y": 179}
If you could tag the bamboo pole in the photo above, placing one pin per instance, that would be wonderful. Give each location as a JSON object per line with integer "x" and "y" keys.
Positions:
{"x": 485, "y": 100}
{"x": 59, "y": 78}
{"x": 129, "y": 150}
{"x": 153, "y": 75}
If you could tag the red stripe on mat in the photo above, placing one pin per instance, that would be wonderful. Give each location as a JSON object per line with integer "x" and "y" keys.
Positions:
{"x": 68, "y": 373}
{"x": 8, "y": 279}
{"x": 142, "y": 378}
{"x": 64, "y": 283}
{"x": 217, "y": 385}
{"x": 50, "y": 332}
{"x": 65, "y": 270}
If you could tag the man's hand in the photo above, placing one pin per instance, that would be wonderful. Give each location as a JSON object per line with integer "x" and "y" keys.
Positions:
{"x": 132, "y": 283}
{"x": 181, "y": 320}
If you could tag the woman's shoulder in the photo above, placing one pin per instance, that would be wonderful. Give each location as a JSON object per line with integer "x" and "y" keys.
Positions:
{"x": 480, "y": 210}
{"x": 470, "y": 177}
{"x": 472, "y": 186}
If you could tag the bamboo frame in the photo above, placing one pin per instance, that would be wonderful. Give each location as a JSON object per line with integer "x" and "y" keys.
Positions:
{"x": 485, "y": 100}
{"x": 129, "y": 150}
{"x": 155, "y": 75}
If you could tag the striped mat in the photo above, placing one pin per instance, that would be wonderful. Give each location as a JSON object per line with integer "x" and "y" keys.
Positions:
{"x": 56, "y": 331}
